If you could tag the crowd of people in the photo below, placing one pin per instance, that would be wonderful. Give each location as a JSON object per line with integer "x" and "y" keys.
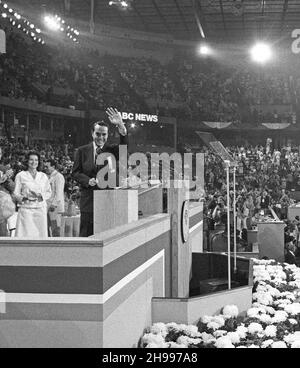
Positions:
{"x": 188, "y": 88}
{"x": 266, "y": 177}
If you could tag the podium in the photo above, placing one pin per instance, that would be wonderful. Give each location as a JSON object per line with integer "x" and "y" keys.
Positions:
{"x": 114, "y": 208}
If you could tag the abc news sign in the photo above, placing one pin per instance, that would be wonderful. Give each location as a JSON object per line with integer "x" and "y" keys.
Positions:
{"x": 139, "y": 117}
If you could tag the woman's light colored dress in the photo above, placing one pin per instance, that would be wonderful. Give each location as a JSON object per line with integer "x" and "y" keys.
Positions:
{"x": 32, "y": 214}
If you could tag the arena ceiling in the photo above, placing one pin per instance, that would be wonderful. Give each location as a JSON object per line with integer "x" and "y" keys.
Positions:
{"x": 219, "y": 20}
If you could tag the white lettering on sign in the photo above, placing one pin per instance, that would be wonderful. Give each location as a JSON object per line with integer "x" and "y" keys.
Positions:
{"x": 139, "y": 117}
{"x": 296, "y": 43}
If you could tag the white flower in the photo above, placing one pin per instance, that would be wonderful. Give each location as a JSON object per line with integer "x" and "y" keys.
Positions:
{"x": 267, "y": 343}
{"x": 253, "y": 312}
{"x": 193, "y": 341}
{"x": 293, "y": 321}
{"x": 254, "y": 328}
{"x": 183, "y": 340}
{"x": 224, "y": 343}
{"x": 159, "y": 329}
{"x": 191, "y": 331}
{"x": 289, "y": 339}
{"x": 207, "y": 338}
{"x": 234, "y": 337}
{"x": 293, "y": 308}
{"x": 219, "y": 320}
{"x": 288, "y": 295}
{"x": 280, "y": 316}
{"x": 279, "y": 345}
{"x": 241, "y": 347}
{"x": 206, "y": 319}
{"x": 155, "y": 339}
{"x": 282, "y": 302}
{"x": 271, "y": 331}
{"x": 231, "y": 311}
{"x": 265, "y": 318}
{"x": 220, "y": 333}
{"x": 152, "y": 345}
{"x": 253, "y": 347}
{"x": 172, "y": 325}
{"x": 264, "y": 298}
{"x": 242, "y": 331}
{"x": 174, "y": 345}
{"x": 213, "y": 325}
{"x": 270, "y": 310}
{"x": 295, "y": 345}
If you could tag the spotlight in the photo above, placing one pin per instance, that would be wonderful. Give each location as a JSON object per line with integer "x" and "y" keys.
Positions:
{"x": 34, "y": 38}
{"x": 76, "y": 32}
{"x": 32, "y": 34}
{"x": 13, "y": 23}
{"x": 10, "y": 10}
{"x": 205, "y": 50}
{"x": 31, "y": 26}
{"x": 74, "y": 39}
{"x": 4, "y": 15}
{"x": 124, "y": 4}
{"x": 63, "y": 22}
{"x": 38, "y": 30}
{"x": 43, "y": 42}
{"x": 132, "y": 125}
{"x": 19, "y": 25}
{"x": 5, "y": 6}
{"x": 261, "y": 53}
{"x": 51, "y": 23}
{"x": 62, "y": 29}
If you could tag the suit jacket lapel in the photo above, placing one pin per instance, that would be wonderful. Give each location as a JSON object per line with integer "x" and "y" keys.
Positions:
{"x": 91, "y": 156}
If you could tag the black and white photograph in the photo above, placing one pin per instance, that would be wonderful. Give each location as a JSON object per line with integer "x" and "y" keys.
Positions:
{"x": 149, "y": 177}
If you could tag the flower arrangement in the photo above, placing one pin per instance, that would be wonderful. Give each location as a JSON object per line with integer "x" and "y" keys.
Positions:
{"x": 273, "y": 321}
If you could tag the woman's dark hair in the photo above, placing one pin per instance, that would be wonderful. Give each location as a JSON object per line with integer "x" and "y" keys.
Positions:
{"x": 32, "y": 153}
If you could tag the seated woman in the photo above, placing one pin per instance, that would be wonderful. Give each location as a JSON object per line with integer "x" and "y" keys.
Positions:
{"x": 32, "y": 189}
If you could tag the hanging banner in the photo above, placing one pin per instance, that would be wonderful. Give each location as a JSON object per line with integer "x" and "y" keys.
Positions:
{"x": 276, "y": 126}
{"x": 216, "y": 125}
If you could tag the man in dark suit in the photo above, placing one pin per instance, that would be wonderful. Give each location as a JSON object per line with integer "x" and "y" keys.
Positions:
{"x": 85, "y": 168}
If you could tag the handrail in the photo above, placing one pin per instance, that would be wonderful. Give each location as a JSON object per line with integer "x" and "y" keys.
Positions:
{"x": 151, "y": 188}
{"x": 274, "y": 214}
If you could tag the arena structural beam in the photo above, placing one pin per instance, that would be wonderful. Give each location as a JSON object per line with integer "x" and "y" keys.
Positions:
{"x": 198, "y": 15}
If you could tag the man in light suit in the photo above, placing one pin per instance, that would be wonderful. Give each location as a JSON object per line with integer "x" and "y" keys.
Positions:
{"x": 85, "y": 168}
{"x": 56, "y": 203}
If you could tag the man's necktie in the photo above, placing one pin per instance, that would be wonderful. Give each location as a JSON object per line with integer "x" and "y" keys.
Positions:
{"x": 98, "y": 152}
